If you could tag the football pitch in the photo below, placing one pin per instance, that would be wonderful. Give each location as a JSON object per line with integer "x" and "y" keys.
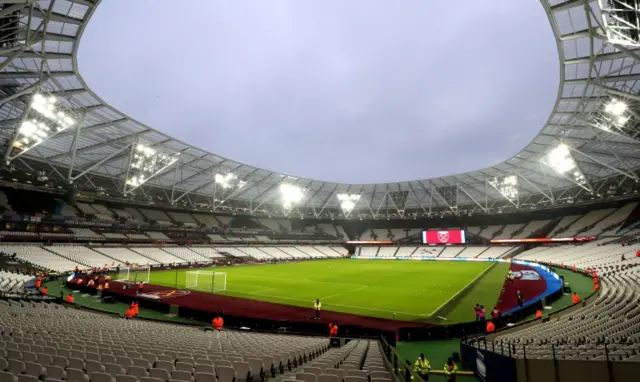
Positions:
{"x": 421, "y": 291}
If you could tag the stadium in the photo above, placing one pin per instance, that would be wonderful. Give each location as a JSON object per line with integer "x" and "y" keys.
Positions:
{"x": 101, "y": 214}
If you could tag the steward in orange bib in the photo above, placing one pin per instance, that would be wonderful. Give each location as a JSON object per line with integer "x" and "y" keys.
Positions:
{"x": 575, "y": 299}
{"x": 134, "y": 306}
{"x": 490, "y": 327}
{"x": 129, "y": 313}
{"x": 69, "y": 298}
{"x": 333, "y": 330}
{"x": 218, "y": 323}
{"x": 44, "y": 291}
{"x": 538, "y": 314}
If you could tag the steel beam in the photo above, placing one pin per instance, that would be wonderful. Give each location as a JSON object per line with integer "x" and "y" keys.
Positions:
{"x": 99, "y": 163}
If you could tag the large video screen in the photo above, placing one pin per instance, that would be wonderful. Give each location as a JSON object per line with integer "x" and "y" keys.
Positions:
{"x": 449, "y": 236}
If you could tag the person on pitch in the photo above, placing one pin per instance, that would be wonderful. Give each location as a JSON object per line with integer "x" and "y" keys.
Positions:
{"x": 317, "y": 306}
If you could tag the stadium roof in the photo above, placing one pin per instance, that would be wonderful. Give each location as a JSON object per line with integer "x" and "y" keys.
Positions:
{"x": 39, "y": 43}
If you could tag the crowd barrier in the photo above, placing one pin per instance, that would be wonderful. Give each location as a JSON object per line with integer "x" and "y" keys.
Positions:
{"x": 489, "y": 364}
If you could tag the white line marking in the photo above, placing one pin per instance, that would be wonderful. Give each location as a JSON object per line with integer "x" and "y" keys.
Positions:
{"x": 343, "y": 293}
{"x": 460, "y": 291}
{"x": 344, "y": 306}
{"x": 296, "y": 280}
{"x": 262, "y": 290}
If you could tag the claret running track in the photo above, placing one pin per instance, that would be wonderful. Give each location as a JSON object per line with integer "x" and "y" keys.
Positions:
{"x": 419, "y": 291}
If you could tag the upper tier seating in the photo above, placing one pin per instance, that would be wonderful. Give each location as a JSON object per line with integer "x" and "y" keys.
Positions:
{"x": 531, "y": 228}
{"x": 206, "y": 252}
{"x": 102, "y": 212}
{"x": 158, "y": 255}
{"x": 490, "y": 231}
{"x": 125, "y": 255}
{"x": 157, "y": 236}
{"x": 184, "y": 218}
{"x": 85, "y": 233}
{"x": 564, "y": 223}
{"x": 187, "y": 254}
{"x": 587, "y": 220}
{"x": 156, "y": 216}
{"x": 206, "y": 220}
{"x": 611, "y": 222}
{"x": 508, "y": 231}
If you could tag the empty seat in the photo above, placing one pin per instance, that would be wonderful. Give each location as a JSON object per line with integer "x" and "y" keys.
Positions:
{"x": 306, "y": 377}
{"x": 328, "y": 378}
{"x": 8, "y": 377}
{"x": 205, "y": 377}
{"x": 76, "y": 375}
{"x": 181, "y": 375}
{"x": 101, "y": 377}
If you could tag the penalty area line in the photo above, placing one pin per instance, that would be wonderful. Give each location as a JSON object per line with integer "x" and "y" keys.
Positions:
{"x": 460, "y": 291}
{"x": 345, "y": 292}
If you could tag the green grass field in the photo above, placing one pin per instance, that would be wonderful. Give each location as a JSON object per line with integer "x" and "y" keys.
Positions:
{"x": 413, "y": 290}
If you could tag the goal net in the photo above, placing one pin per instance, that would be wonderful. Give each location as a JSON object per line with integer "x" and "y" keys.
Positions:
{"x": 134, "y": 274}
{"x": 206, "y": 281}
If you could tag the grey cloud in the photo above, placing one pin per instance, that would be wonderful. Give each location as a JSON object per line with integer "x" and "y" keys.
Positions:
{"x": 358, "y": 91}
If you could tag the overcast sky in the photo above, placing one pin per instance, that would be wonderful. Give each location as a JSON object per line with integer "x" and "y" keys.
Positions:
{"x": 357, "y": 91}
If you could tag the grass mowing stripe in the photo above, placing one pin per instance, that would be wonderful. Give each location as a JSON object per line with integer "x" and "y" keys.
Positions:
{"x": 461, "y": 290}
{"x": 343, "y": 293}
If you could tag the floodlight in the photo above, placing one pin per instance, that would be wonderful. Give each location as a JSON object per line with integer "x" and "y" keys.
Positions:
{"x": 615, "y": 107}
{"x": 228, "y": 180}
{"x": 507, "y": 186}
{"x": 146, "y": 162}
{"x": 291, "y": 195}
{"x": 348, "y": 202}
{"x": 43, "y": 119}
{"x": 561, "y": 161}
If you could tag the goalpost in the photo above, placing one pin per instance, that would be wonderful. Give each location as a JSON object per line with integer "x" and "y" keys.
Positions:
{"x": 134, "y": 274}
{"x": 207, "y": 281}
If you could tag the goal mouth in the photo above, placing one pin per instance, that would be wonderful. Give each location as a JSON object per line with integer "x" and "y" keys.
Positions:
{"x": 133, "y": 275}
{"x": 206, "y": 281}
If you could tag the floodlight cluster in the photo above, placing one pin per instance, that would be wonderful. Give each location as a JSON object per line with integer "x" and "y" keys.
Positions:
{"x": 348, "y": 202}
{"x": 619, "y": 18}
{"x": 228, "y": 180}
{"x": 146, "y": 162}
{"x": 291, "y": 195}
{"x": 48, "y": 120}
{"x": 48, "y": 107}
{"x": 561, "y": 161}
{"x": 613, "y": 116}
{"x": 507, "y": 186}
